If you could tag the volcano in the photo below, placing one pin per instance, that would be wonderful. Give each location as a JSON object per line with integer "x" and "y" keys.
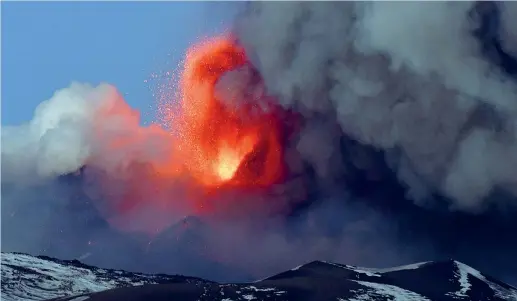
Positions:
{"x": 310, "y": 131}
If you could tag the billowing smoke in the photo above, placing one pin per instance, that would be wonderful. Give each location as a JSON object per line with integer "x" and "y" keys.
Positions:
{"x": 408, "y": 78}
{"x": 79, "y": 125}
{"x": 84, "y": 125}
{"x": 368, "y": 133}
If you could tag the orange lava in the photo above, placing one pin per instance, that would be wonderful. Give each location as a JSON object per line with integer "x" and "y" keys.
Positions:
{"x": 220, "y": 144}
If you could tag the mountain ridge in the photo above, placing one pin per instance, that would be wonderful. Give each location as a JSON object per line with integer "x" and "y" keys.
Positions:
{"x": 27, "y": 277}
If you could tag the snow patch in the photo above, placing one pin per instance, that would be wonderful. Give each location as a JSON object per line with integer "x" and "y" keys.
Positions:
{"x": 413, "y": 266}
{"x": 25, "y": 277}
{"x": 395, "y": 293}
{"x": 268, "y": 289}
{"x": 82, "y": 298}
{"x": 353, "y": 268}
{"x": 45, "y": 279}
{"x": 462, "y": 275}
{"x": 362, "y": 271}
{"x": 374, "y": 272}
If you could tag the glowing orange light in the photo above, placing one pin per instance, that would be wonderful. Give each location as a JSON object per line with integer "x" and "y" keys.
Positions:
{"x": 216, "y": 140}
{"x": 204, "y": 141}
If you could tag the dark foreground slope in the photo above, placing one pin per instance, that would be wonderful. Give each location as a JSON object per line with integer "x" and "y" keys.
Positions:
{"x": 26, "y": 277}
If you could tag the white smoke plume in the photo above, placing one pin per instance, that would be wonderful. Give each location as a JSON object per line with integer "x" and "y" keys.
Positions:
{"x": 77, "y": 124}
{"x": 66, "y": 130}
{"x": 85, "y": 125}
{"x": 56, "y": 141}
{"x": 401, "y": 76}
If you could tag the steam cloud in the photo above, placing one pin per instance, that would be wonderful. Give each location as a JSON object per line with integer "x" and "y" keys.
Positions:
{"x": 425, "y": 85}
{"x": 76, "y": 125}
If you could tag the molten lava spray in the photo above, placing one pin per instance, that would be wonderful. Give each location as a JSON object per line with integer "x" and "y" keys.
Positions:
{"x": 218, "y": 141}
{"x": 210, "y": 145}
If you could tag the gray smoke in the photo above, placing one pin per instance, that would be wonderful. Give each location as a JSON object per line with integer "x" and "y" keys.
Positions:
{"x": 509, "y": 34}
{"x": 407, "y": 78}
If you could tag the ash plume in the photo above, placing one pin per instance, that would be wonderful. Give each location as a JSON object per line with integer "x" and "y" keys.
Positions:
{"x": 409, "y": 78}
{"x": 403, "y": 148}
{"x": 419, "y": 111}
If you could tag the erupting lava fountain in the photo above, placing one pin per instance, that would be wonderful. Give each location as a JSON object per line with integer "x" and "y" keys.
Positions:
{"x": 219, "y": 143}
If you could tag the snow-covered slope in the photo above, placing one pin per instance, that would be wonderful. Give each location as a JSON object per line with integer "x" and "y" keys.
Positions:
{"x": 447, "y": 280}
{"x": 26, "y": 277}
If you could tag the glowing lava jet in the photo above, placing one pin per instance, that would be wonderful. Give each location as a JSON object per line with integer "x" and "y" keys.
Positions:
{"x": 211, "y": 147}
{"x": 220, "y": 144}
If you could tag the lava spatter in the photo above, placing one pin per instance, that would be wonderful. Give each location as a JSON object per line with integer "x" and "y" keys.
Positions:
{"x": 215, "y": 142}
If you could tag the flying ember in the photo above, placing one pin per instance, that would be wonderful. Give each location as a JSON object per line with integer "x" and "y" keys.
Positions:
{"x": 220, "y": 143}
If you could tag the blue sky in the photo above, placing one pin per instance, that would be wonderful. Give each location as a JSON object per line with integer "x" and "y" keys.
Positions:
{"x": 47, "y": 45}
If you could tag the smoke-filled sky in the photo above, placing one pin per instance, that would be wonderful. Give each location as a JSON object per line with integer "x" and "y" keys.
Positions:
{"x": 369, "y": 133}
